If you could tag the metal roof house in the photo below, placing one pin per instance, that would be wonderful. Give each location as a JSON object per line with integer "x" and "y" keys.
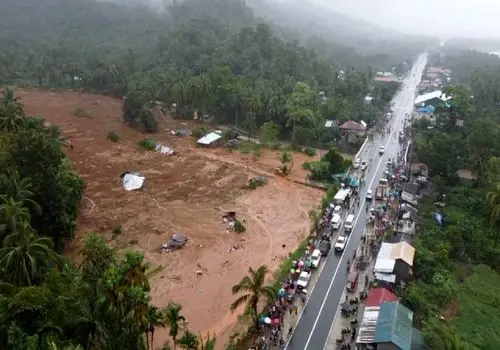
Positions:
{"x": 433, "y": 98}
{"x": 394, "y": 262}
{"x": 394, "y": 327}
{"x": 377, "y": 296}
{"x": 386, "y": 327}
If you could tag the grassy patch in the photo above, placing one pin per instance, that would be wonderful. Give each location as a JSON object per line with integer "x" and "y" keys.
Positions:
{"x": 148, "y": 143}
{"x": 284, "y": 269}
{"x": 82, "y": 113}
{"x": 479, "y": 302}
{"x": 113, "y": 136}
{"x": 246, "y": 147}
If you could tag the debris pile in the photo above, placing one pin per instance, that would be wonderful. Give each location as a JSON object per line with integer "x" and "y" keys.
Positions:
{"x": 177, "y": 241}
{"x": 257, "y": 182}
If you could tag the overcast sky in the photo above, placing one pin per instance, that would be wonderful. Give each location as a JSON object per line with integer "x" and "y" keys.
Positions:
{"x": 472, "y": 18}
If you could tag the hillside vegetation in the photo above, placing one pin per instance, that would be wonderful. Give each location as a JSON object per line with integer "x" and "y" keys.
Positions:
{"x": 212, "y": 57}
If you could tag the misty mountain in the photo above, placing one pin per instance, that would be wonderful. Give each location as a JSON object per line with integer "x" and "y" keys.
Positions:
{"x": 317, "y": 26}
{"x": 314, "y": 20}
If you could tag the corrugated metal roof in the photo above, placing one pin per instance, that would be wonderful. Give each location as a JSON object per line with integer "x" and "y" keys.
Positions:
{"x": 404, "y": 251}
{"x": 377, "y": 296}
{"x": 351, "y": 125}
{"x": 393, "y": 251}
{"x": 209, "y": 138}
{"x": 394, "y": 325}
{"x": 386, "y": 277}
{"x": 384, "y": 265}
{"x": 428, "y": 96}
{"x": 366, "y": 333}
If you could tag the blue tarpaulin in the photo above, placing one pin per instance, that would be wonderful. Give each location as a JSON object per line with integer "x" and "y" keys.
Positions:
{"x": 426, "y": 109}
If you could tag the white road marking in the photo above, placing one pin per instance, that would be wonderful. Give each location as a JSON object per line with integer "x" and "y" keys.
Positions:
{"x": 338, "y": 307}
{"x": 341, "y": 256}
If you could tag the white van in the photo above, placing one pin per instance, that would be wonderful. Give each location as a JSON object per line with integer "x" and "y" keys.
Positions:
{"x": 349, "y": 223}
{"x": 336, "y": 221}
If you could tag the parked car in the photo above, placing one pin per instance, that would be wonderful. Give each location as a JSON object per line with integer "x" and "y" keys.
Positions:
{"x": 324, "y": 247}
{"x": 369, "y": 195}
{"x": 340, "y": 243}
{"x": 337, "y": 210}
{"x": 364, "y": 165}
{"x": 315, "y": 258}
{"x": 336, "y": 221}
{"x": 349, "y": 223}
{"x": 355, "y": 164}
{"x": 303, "y": 280}
{"x": 381, "y": 150}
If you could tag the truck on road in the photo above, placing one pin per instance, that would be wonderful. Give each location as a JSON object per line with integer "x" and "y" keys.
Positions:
{"x": 382, "y": 190}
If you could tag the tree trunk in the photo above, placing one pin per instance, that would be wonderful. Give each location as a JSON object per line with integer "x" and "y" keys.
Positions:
{"x": 146, "y": 333}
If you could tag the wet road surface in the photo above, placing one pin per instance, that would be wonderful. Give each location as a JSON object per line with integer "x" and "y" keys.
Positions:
{"x": 313, "y": 327}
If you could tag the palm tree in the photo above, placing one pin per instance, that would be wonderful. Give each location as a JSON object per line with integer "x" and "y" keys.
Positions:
{"x": 254, "y": 288}
{"x": 189, "y": 341}
{"x": 88, "y": 322}
{"x": 25, "y": 256}
{"x": 173, "y": 319}
{"x": 12, "y": 216}
{"x": 207, "y": 344}
{"x": 12, "y": 115}
{"x": 154, "y": 319}
{"x": 19, "y": 189}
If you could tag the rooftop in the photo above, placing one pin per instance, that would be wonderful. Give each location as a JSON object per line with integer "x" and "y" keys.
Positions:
{"x": 431, "y": 95}
{"x": 390, "y": 252}
{"x": 352, "y": 125}
{"x": 209, "y": 138}
{"x": 377, "y": 296}
{"x": 394, "y": 325}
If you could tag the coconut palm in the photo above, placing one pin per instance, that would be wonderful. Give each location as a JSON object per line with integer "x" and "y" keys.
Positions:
{"x": 19, "y": 189}
{"x": 173, "y": 319}
{"x": 189, "y": 341}
{"x": 12, "y": 216}
{"x": 208, "y": 343}
{"x": 154, "y": 319}
{"x": 25, "y": 256}
{"x": 254, "y": 288}
{"x": 88, "y": 323}
{"x": 12, "y": 115}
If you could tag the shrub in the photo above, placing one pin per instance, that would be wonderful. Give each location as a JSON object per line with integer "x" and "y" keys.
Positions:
{"x": 82, "y": 113}
{"x": 113, "y": 136}
{"x": 257, "y": 182}
{"x": 257, "y": 152}
{"x": 306, "y": 166}
{"x": 310, "y": 151}
{"x": 117, "y": 230}
{"x": 199, "y": 132}
{"x": 147, "y": 120}
{"x": 239, "y": 227}
{"x": 148, "y": 143}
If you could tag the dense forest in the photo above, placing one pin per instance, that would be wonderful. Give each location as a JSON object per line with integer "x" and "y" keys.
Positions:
{"x": 213, "y": 57}
{"x": 458, "y": 258}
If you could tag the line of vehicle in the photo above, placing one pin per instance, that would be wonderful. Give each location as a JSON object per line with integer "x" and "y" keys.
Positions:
{"x": 319, "y": 275}
{"x": 395, "y": 123}
{"x": 347, "y": 244}
{"x": 339, "y": 263}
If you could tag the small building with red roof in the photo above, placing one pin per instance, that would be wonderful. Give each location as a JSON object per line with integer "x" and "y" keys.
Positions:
{"x": 378, "y": 296}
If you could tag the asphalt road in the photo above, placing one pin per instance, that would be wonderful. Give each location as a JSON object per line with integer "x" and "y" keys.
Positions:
{"x": 313, "y": 328}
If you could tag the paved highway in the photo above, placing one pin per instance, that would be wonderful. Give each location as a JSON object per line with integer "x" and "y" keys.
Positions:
{"x": 313, "y": 327}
